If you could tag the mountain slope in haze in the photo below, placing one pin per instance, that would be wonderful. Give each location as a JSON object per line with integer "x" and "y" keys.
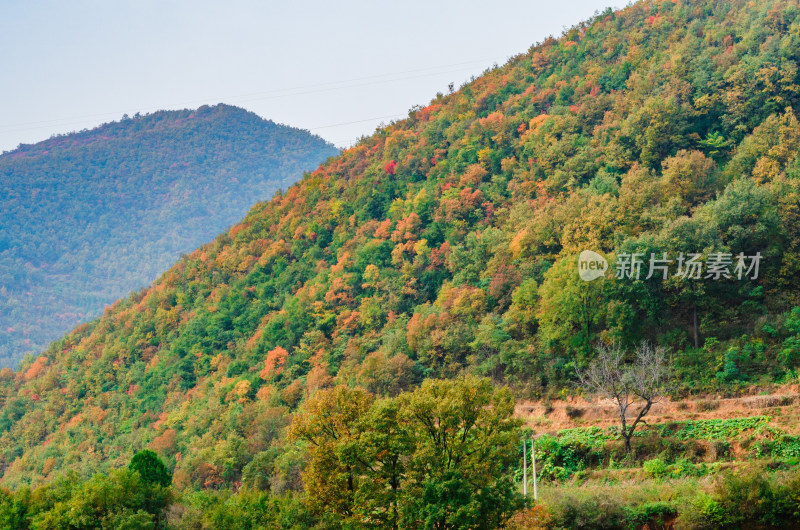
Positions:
{"x": 90, "y": 216}
{"x": 446, "y": 244}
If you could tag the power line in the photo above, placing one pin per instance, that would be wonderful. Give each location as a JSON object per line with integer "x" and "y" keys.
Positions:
{"x": 258, "y": 96}
{"x": 354, "y": 85}
{"x": 391, "y": 116}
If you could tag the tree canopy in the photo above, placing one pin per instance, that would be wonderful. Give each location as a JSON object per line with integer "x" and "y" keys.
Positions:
{"x": 447, "y": 245}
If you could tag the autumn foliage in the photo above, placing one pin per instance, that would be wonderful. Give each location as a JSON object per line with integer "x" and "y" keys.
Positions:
{"x": 274, "y": 362}
{"x": 446, "y": 246}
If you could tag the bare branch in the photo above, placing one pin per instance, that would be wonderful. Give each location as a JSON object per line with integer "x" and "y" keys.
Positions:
{"x": 643, "y": 379}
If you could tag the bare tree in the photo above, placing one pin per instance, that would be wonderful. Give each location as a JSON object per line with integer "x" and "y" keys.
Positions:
{"x": 641, "y": 380}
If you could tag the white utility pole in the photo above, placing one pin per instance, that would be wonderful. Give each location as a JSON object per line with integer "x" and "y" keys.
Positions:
{"x": 533, "y": 458}
{"x": 524, "y": 467}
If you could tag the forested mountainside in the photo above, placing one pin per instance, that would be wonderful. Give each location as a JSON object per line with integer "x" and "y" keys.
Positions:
{"x": 89, "y": 217}
{"x": 447, "y": 244}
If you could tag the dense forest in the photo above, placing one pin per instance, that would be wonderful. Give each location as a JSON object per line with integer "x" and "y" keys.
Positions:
{"x": 298, "y": 367}
{"x": 89, "y": 217}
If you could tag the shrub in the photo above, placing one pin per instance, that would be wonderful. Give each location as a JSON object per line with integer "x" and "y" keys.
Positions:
{"x": 652, "y": 515}
{"x": 577, "y": 510}
{"x": 751, "y": 500}
{"x": 537, "y": 517}
{"x": 655, "y": 467}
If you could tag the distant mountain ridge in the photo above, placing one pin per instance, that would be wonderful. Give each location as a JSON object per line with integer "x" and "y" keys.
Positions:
{"x": 90, "y": 216}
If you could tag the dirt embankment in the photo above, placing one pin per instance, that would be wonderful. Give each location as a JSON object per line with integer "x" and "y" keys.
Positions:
{"x": 783, "y": 406}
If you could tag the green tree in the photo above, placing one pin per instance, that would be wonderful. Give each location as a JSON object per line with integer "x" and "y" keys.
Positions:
{"x": 383, "y": 453}
{"x": 331, "y": 424}
{"x": 438, "y": 457}
{"x": 150, "y": 468}
{"x": 571, "y": 311}
{"x": 121, "y": 500}
{"x": 465, "y": 443}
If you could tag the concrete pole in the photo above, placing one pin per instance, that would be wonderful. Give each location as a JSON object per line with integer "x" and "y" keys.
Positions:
{"x": 533, "y": 458}
{"x": 524, "y": 467}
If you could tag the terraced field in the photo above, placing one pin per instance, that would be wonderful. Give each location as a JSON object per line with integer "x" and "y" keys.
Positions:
{"x": 691, "y": 457}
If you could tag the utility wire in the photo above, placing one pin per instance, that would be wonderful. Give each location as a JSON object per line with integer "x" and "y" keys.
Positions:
{"x": 272, "y": 94}
{"x": 391, "y": 116}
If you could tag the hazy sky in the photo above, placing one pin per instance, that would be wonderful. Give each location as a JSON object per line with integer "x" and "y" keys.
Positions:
{"x": 338, "y": 68}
